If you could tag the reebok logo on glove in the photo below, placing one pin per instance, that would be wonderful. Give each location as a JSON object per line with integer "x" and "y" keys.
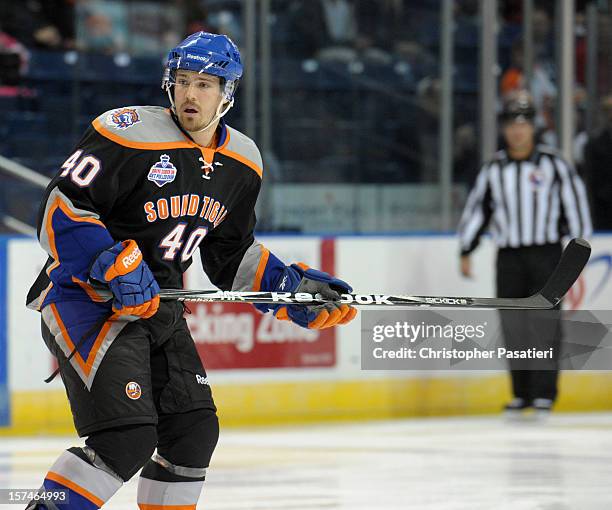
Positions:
{"x": 131, "y": 281}
{"x": 129, "y": 259}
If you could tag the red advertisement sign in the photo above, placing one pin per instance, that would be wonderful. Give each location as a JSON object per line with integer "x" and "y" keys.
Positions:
{"x": 233, "y": 335}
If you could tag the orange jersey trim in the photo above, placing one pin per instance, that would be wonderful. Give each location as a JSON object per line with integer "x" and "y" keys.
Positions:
{"x": 179, "y": 144}
{"x": 261, "y": 267}
{"x": 91, "y": 292}
{"x": 59, "y": 203}
{"x": 66, "y": 210}
{"x": 243, "y": 160}
{"x": 44, "y": 293}
{"x": 76, "y": 488}
{"x": 51, "y": 237}
{"x": 85, "y": 365}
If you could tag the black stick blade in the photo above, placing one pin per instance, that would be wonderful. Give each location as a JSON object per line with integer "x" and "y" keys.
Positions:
{"x": 572, "y": 262}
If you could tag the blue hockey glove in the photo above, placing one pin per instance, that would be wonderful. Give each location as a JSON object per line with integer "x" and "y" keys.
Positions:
{"x": 300, "y": 278}
{"x": 121, "y": 267}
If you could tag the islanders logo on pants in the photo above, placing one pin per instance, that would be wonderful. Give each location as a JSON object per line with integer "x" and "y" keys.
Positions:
{"x": 132, "y": 390}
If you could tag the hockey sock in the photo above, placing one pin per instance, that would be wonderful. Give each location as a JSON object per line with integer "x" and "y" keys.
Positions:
{"x": 83, "y": 478}
{"x": 163, "y": 484}
{"x": 174, "y": 476}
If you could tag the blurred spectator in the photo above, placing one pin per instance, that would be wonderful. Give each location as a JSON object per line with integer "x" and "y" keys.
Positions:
{"x": 196, "y": 16}
{"x": 39, "y": 24}
{"x": 514, "y": 78}
{"x": 580, "y": 130}
{"x": 102, "y": 26}
{"x": 387, "y": 21}
{"x": 547, "y": 133}
{"x": 13, "y": 63}
{"x": 225, "y": 18}
{"x": 428, "y": 114}
{"x": 604, "y": 69}
{"x": 413, "y": 61}
{"x": 512, "y": 11}
{"x": 543, "y": 39}
{"x": 338, "y": 21}
{"x": 598, "y": 169}
{"x": 152, "y": 28}
{"x": 541, "y": 87}
{"x": 341, "y": 30}
{"x": 140, "y": 28}
{"x": 465, "y": 153}
{"x": 467, "y": 9}
{"x": 581, "y": 47}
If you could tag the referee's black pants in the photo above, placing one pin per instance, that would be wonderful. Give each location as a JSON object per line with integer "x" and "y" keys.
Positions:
{"x": 522, "y": 272}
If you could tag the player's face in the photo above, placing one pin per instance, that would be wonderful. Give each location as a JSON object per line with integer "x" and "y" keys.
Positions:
{"x": 519, "y": 134}
{"x": 196, "y": 98}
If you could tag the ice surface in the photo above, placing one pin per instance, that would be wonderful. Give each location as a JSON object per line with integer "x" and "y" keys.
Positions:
{"x": 487, "y": 463}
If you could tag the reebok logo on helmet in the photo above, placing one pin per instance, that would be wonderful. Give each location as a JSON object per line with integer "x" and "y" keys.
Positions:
{"x": 198, "y": 57}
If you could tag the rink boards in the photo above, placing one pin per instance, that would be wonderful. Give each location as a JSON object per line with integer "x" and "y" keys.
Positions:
{"x": 264, "y": 371}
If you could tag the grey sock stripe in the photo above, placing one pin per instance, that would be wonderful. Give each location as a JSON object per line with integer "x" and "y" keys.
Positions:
{"x": 187, "y": 472}
{"x": 96, "y": 461}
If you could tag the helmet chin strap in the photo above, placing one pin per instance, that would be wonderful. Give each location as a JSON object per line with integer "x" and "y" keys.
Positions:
{"x": 218, "y": 114}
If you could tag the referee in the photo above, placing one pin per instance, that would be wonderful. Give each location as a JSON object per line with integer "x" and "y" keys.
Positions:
{"x": 530, "y": 198}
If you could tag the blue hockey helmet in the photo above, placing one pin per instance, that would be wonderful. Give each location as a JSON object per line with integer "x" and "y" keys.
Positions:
{"x": 208, "y": 53}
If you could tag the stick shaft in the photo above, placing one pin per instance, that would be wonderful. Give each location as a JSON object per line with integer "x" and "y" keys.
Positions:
{"x": 279, "y": 298}
{"x": 573, "y": 261}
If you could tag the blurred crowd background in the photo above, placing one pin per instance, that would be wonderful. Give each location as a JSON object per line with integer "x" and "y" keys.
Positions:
{"x": 343, "y": 96}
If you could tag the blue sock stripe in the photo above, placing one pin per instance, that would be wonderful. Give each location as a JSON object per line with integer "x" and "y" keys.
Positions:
{"x": 75, "y": 501}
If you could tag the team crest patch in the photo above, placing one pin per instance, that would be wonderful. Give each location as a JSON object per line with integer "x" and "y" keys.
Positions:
{"x": 132, "y": 390}
{"x": 123, "y": 118}
{"x": 163, "y": 171}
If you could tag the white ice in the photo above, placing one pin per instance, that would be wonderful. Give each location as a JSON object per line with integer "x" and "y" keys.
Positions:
{"x": 487, "y": 463}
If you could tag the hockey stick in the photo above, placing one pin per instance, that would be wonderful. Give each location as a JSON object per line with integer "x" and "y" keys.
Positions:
{"x": 571, "y": 264}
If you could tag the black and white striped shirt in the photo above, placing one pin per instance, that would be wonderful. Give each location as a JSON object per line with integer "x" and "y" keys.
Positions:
{"x": 530, "y": 202}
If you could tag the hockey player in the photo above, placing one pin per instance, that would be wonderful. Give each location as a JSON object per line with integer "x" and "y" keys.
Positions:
{"x": 144, "y": 188}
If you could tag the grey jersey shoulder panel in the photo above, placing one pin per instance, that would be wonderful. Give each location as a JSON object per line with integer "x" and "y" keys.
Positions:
{"x": 247, "y": 271}
{"x": 149, "y": 124}
{"x": 243, "y": 145}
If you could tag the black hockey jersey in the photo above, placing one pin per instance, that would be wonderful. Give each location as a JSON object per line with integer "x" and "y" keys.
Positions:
{"x": 136, "y": 175}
